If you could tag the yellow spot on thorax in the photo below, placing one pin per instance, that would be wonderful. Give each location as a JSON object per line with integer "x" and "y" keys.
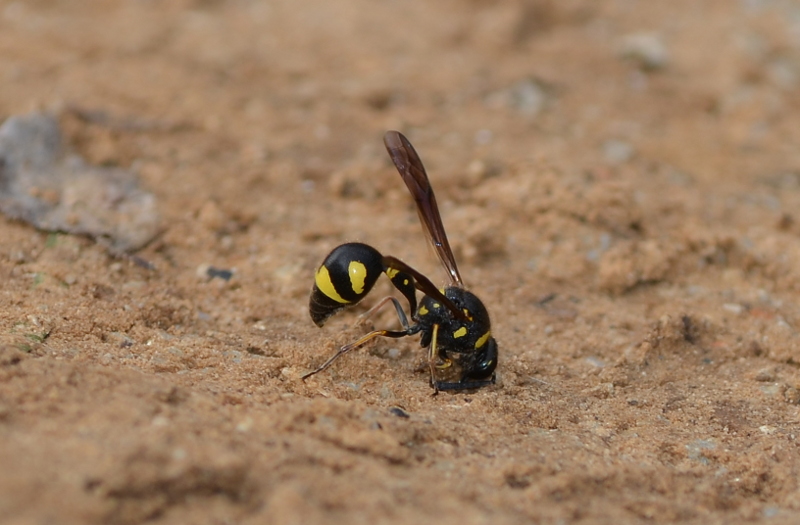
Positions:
{"x": 325, "y": 285}
{"x": 358, "y": 274}
{"x": 482, "y": 341}
{"x": 391, "y": 272}
{"x": 423, "y": 310}
{"x": 461, "y": 332}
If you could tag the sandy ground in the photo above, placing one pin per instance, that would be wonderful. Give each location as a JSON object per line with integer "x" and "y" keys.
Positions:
{"x": 620, "y": 181}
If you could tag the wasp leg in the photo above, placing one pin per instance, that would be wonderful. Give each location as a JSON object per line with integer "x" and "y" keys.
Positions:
{"x": 400, "y": 313}
{"x": 432, "y": 352}
{"x": 346, "y": 348}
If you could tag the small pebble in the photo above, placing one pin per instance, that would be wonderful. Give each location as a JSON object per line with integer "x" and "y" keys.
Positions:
{"x": 734, "y": 308}
{"x": 617, "y": 151}
{"x": 399, "y": 412}
{"x": 647, "y": 49}
{"x": 765, "y": 374}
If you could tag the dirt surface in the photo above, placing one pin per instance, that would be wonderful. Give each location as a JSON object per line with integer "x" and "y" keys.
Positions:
{"x": 620, "y": 181}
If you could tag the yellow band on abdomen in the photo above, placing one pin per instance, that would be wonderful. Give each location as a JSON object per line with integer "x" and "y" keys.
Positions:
{"x": 325, "y": 285}
{"x": 358, "y": 275}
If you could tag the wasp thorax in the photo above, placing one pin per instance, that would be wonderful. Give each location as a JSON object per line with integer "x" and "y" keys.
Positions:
{"x": 461, "y": 340}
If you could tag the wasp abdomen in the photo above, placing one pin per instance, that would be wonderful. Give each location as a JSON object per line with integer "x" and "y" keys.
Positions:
{"x": 346, "y": 276}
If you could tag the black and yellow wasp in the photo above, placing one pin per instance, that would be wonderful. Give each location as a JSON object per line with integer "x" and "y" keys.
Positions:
{"x": 453, "y": 322}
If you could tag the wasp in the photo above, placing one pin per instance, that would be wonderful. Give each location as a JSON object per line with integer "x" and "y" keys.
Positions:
{"x": 453, "y": 323}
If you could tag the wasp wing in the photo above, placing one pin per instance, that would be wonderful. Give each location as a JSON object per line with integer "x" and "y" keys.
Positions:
{"x": 410, "y": 166}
